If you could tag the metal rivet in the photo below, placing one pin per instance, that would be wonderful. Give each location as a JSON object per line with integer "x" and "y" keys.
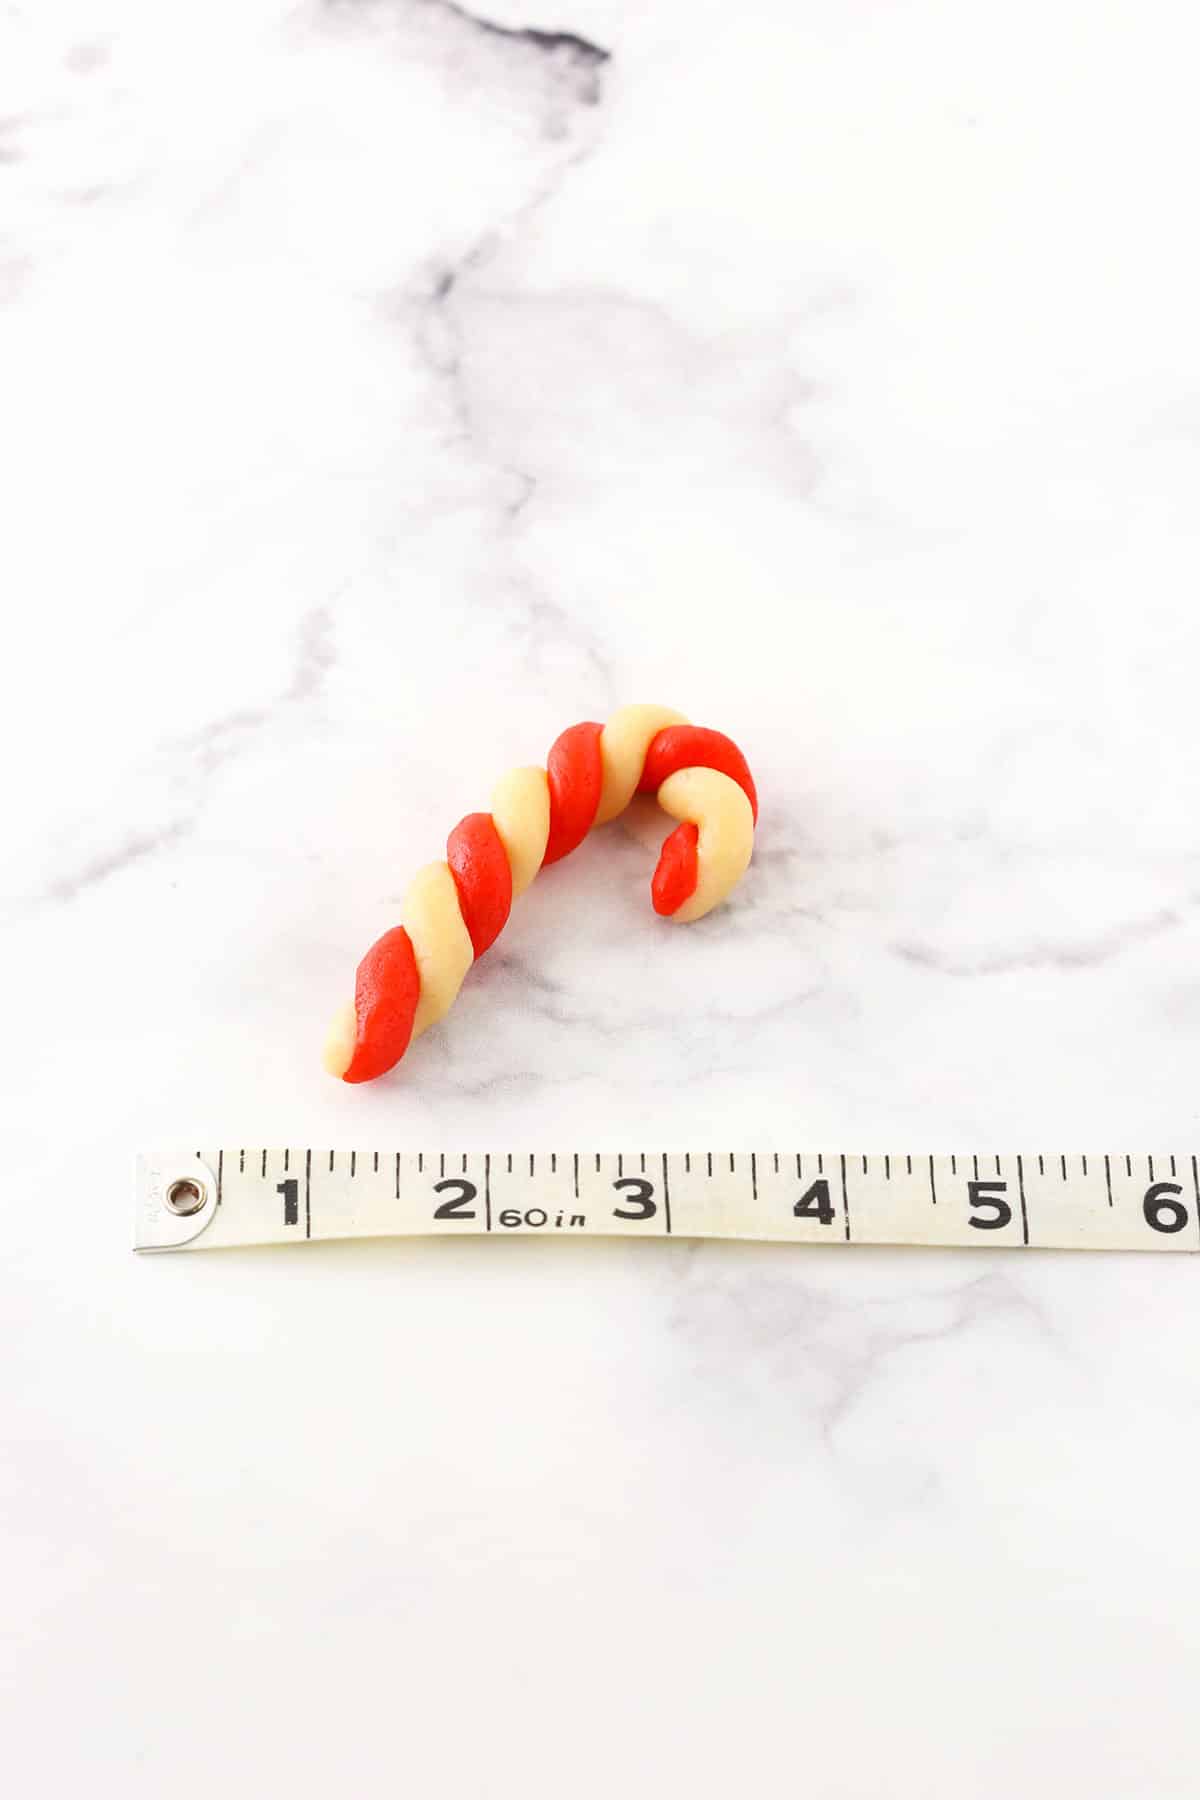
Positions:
{"x": 186, "y": 1197}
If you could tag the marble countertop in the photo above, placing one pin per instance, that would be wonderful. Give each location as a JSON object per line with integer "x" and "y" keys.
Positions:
{"x": 386, "y": 386}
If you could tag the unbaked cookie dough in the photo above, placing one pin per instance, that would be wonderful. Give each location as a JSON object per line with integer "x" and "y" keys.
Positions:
{"x": 454, "y": 909}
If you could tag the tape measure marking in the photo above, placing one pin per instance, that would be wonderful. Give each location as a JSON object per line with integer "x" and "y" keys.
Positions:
{"x": 207, "y": 1200}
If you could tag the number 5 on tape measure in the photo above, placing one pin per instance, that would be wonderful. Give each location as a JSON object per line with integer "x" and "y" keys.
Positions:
{"x": 206, "y": 1200}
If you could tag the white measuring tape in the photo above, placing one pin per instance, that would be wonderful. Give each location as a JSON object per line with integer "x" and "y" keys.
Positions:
{"x": 214, "y": 1199}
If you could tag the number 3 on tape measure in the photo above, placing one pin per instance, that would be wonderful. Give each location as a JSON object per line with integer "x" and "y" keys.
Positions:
{"x": 640, "y": 1195}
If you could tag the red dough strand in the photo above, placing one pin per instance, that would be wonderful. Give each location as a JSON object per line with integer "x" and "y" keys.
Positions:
{"x": 678, "y": 870}
{"x": 482, "y": 876}
{"x": 575, "y": 774}
{"x": 692, "y": 747}
{"x": 386, "y": 990}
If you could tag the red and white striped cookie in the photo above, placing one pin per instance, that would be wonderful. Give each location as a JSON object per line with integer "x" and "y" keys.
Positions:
{"x": 454, "y": 909}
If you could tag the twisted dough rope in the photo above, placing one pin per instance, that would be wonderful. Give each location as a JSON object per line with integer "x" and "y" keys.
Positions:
{"x": 454, "y": 909}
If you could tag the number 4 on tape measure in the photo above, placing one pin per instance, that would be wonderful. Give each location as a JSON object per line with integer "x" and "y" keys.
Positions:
{"x": 206, "y": 1200}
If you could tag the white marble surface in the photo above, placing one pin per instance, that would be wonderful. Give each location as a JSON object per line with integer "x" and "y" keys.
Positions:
{"x": 382, "y": 392}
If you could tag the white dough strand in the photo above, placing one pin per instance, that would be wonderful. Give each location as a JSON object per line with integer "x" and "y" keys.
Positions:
{"x": 721, "y": 811}
{"x": 440, "y": 941}
{"x": 521, "y": 814}
{"x": 623, "y": 746}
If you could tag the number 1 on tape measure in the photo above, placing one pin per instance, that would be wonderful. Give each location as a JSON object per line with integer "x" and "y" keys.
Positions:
{"x": 207, "y": 1200}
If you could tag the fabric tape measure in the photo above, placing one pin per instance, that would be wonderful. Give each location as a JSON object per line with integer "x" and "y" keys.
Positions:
{"x": 217, "y": 1199}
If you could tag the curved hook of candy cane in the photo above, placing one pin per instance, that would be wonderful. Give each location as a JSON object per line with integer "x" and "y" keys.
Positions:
{"x": 454, "y": 910}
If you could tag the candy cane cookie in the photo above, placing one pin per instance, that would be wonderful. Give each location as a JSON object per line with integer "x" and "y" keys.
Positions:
{"x": 454, "y": 910}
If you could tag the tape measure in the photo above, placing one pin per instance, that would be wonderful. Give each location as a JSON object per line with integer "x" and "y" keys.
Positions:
{"x": 209, "y": 1200}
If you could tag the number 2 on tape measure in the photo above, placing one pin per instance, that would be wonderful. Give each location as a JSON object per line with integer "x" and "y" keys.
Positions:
{"x": 462, "y": 1192}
